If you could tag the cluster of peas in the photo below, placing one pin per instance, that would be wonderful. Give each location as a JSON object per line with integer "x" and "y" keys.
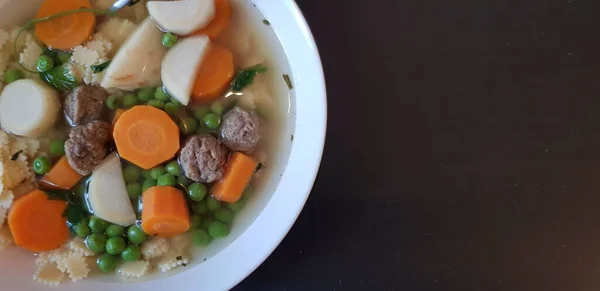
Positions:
{"x": 209, "y": 217}
{"x": 111, "y": 241}
{"x": 43, "y": 164}
{"x": 205, "y": 118}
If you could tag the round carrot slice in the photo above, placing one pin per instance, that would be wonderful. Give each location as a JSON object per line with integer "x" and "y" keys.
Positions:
{"x": 215, "y": 74}
{"x": 37, "y": 223}
{"x": 146, "y": 136}
{"x": 65, "y": 32}
{"x": 220, "y": 22}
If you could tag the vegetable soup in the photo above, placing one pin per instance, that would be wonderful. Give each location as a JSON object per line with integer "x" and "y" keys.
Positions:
{"x": 133, "y": 140}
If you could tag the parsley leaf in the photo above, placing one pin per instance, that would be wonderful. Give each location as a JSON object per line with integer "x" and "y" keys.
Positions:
{"x": 245, "y": 77}
{"x": 16, "y": 155}
{"x": 288, "y": 81}
{"x": 74, "y": 211}
{"x": 100, "y": 67}
{"x": 60, "y": 77}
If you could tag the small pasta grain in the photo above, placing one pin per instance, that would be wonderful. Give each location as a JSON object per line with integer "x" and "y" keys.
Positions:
{"x": 48, "y": 274}
{"x": 135, "y": 269}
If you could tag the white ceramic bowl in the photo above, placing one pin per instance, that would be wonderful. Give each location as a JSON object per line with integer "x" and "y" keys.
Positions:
{"x": 269, "y": 218}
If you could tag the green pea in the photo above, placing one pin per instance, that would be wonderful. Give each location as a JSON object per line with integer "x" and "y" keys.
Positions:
{"x": 147, "y": 174}
{"x": 200, "y": 207}
{"x": 56, "y": 148}
{"x": 200, "y": 237}
{"x": 224, "y": 215}
{"x": 156, "y": 103}
{"x": 136, "y": 235}
{"x": 207, "y": 222}
{"x": 145, "y": 94}
{"x": 157, "y": 171}
{"x": 174, "y": 168}
{"x": 115, "y": 245}
{"x": 131, "y": 253}
{"x": 131, "y": 173}
{"x": 12, "y": 75}
{"x": 129, "y": 100}
{"x": 161, "y": 95}
{"x": 96, "y": 242}
{"x": 42, "y": 165}
{"x": 169, "y": 40}
{"x": 218, "y": 229}
{"x": 196, "y": 191}
{"x": 216, "y": 107}
{"x": 211, "y": 121}
{"x": 97, "y": 224}
{"x": 188, "y": 125}
{"x": 134, "y": 190}
{"x": 237, "y": 206}
{"x": 44, "y": 63}
{"x": 148, "y": 183}
{"x": 113, "y": 102}
{"x": 212, "y": 204}
{"x": 107, "y": 263}
{"x": 176, "y": 102}
{"x": 184, "y": 181}
{"x": 82, "y": 229}
{"x": 200, "y": 112}
{"x": 166, "y": 180}
{"x": 171, "y": 108}
{"x": 195, "y": 221}
{"x": 63, "y": 57}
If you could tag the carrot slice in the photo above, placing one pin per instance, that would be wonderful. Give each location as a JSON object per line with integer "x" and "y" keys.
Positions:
{"x": 65, "y": 32}
{"x": 146, "y": 136}
{"x": 220, "y": 22}
{"x": 237, "y": 176}
{"x": 37, "y": 223}
{"x": 165, "y": 212}
{"x": 61, "y": 175}
{"x": 215, "y": 74}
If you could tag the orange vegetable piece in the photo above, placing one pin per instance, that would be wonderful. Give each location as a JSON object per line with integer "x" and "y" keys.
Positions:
{"x": 65, "y": 32}
{"x": 237, "y": 176}
{"x": 146, "y": 136}
{"x": 215, "y": 74}
{"x": 220, "y": 22}
{"x": 37, "y": 223}
{"x": 61, "y": 175}
{"x": 165, "y": 212}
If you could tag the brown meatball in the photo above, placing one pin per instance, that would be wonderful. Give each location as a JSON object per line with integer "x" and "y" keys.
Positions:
{"x": 87, "y": 146}
{"x": 84, "y": 104}
{"x": 203, "y": 158}
{"x": 240, "y": 130}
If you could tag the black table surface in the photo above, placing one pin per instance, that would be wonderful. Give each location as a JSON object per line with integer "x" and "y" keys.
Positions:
{"x": 462, "y": 152}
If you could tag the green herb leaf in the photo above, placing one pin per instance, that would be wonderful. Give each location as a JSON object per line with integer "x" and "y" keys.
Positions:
{"x": 74, "y": 210}
{"x": 60, "y": 77}
{"x": 100, "y": 67}
{"x": 16, "y": 155}
{"x": 259, "y": 167}
{"x": 245, "y": 77}
{"x": 266, "y": 22}
{"x": 73, "y": 213}
{"x": 288, "y": 81}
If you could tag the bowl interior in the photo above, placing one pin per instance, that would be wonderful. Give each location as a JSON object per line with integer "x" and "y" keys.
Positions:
{"x": 282, "y": 193}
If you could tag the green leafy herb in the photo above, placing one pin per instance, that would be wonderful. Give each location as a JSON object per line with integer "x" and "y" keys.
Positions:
{"x": 100, "y": 67}
{"x": 245, "y": 77}
{"x": 292, "y": 137}
{"x": 266, "y": 22}
{"x": 259, "y": 167}
{"x": 288, "y": 81}
{"x": 74, "y": 210}
{"x": 60, "y": 77}
{"x": 16, "y": 155}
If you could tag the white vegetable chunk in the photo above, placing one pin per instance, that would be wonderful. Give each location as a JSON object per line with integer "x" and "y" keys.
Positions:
{"x": 28, "y": 108}
{"x": 181, "y": 64}
{"x": 107, "y": 193}
{"x": 137, "y": 63}
{"x": 182, "y": 17}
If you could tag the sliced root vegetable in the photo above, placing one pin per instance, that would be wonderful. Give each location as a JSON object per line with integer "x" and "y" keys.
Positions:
{"x": 65, "y": 32}
{"x": 61, "y": 175}
{"x": 107, "y": 193}
{"x": 137, "y": 63}
{"x": 215, "y": 74}
{"x": 37, "y": 223}
{"x": 146, "y": 136}
{"x": 29, "y": 108}
{"x": 237, "y": 175}
{"x": 165, "y": 212}
{"x": 182, "y": 17}
{"x": 181, "y": 65}
{"x": 220, "y": 22}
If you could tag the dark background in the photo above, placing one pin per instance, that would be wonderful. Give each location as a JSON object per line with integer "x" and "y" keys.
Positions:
{"x": 463, "y": 149}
